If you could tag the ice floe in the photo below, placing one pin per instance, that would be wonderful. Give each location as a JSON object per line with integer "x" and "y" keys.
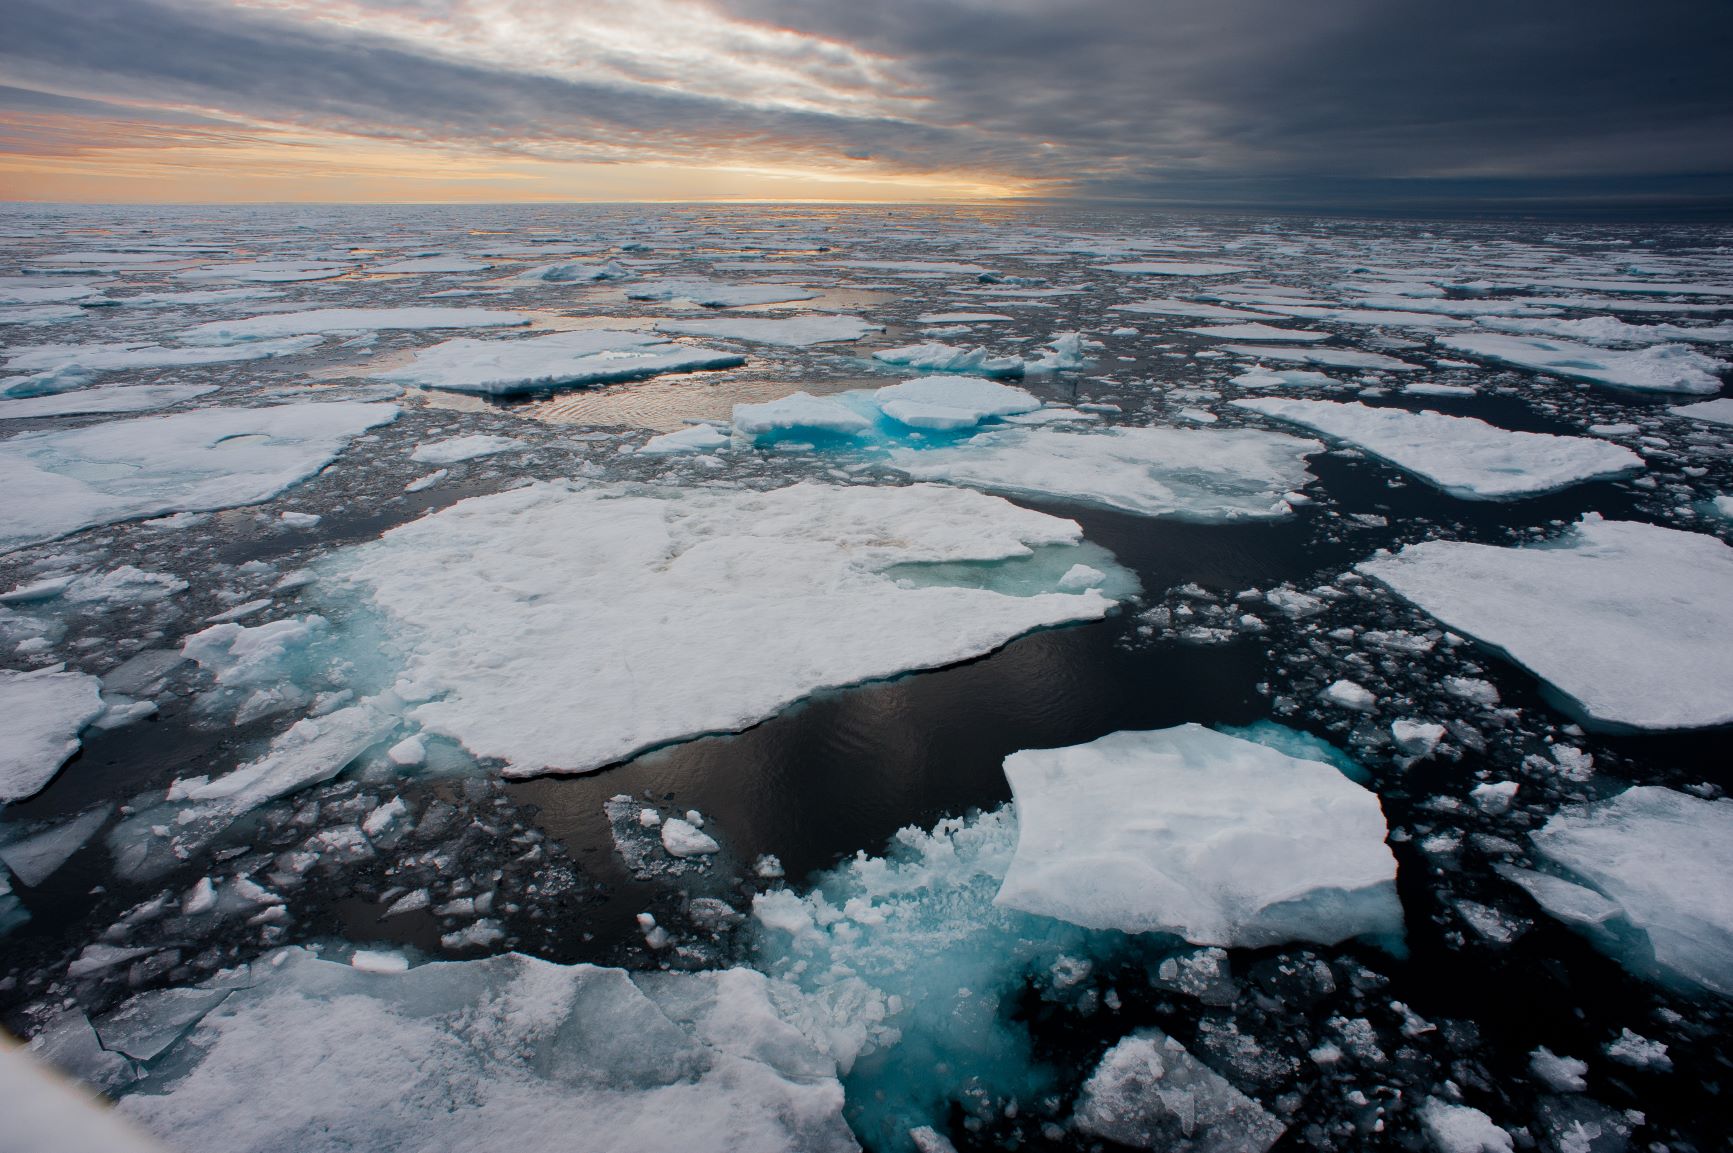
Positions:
{"x": 698, "y": 438}
{"x": 463, "y": 448}
{"x": 1631, "y": 623}
{"x": 1149, "y": 1093}
{"x": 1174, "y": 268}
{"x": 734, "y": 604}
{"x": 1189, "y": 474}
{"x": 936, "y": 357}
{"x": 58, "y": 367}
{"x": 952, "y": 402}
{"x": 44, "y": 713}
{"x": 1657, "y": 368}
{"x": 1189, "y": 308}
{"x": 332, "y": 321}
{"x": 1719, "y": 411}
{"x": 104, "y": 398}
{"x": 1463, "y": 456}
{"x": 1256, "y": 332}
{"x": 60, "y": 482}
{"x": 802, "y": 413}
{"x": 718, "y": 293}
{"x": 790, "y": 332}
{"x": 559, "y": 360}
{"x": 1218, "y": 839}
{"x": 1329, "y": 357}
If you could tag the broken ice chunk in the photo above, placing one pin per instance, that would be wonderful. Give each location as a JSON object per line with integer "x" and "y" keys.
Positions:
{"x": 43, "y": 714}
{"x": 683, "y": 839}
{"x": 1149, "y": 1093}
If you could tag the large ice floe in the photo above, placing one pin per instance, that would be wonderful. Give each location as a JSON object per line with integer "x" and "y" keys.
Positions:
{"x": 1461, "y": 455}
{"x": 530, "y": 622}
{"x": 718, "y": 293}
{"x": 1329, "y": 357}
{"x": 1719, "y": 411}
{"x": 58, "y": 367}
{"x": 1630, "y": 623}
{"x": 1221, "y": 840}
{"x": 1657, "y": 368}
{"x": 948, "y": 403}
{"x": 1188, "y": 474}
{"x": 104, "y": 398}
{"x": 1149, "y": 1093}
{"x": 43, "y": 714}
{"x": 333, "y": 321}
{"x": 558, "y": 360}
{"x": 790, "y": 332}
{"x": 508, "y": 1052}
{"x": 1647, "y": 876}
{"x": 60, "y": 482}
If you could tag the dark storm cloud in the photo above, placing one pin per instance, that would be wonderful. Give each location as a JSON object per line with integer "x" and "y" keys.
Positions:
{"x": 1343, "y": 101}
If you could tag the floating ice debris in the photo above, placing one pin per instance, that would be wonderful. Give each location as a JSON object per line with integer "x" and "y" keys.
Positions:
{"x": 1262, "y": 378}
{"x": 1065, "y": 353}
{"x": 683, "y": 839}
{"x": 193, "y": 299}
{"x": 1200, "y": 475}
{"x": 1608, "y": 330}
{"x": 1638, "y": 1052}
{"x": 1350, "y": 695}
{"x": 1221, "y": 840}
{"x": 960, "y": 317}
{"x": 718, "y": 293}
{"x": 42, "y": 314}
{"x": 107, "y": 398}
{"x": 35, "y": 858}
{"x": 698, "y": 438}
{"x": 953, "y": 267}
{"x": 1189, "y": 308}
{"x": 505, "y": 1052}
{"x": 463, "y": 448}
{"x": 1149, "y": 1093}
{"x": 1650, "y": 881}
{"x": 1658, "y": 368}
{"x": 1631, "y": 623}
{"x": 1331, "y": 357}
{"x": 1462, "y": 1129}
{"x": 800, "y": 412}
{"x": 143, "y": 1027}
{"x": 732, "y": 604}
{"x": 31, "y": 290}
{"x": 558, "y": 360}
{"x": 936, "y": 357}
{"x": 1719, "y": 411}
{"x": 574, "y": 272}
{"x": 333, "y": 321}
{"x": 44, "y": 712}
{"x": 267, "y": 271}
{"x": 60, "y": 482}
{"x": 1257, "y": 332}
{"x": 792, "y": 332}
{"x": 1463, "y": 456}
{"x": 1174, "y": 268}
{"x": 58, "y": 367}
{"x": 952, "y": 402}
{"x": 1560, "y": 1074}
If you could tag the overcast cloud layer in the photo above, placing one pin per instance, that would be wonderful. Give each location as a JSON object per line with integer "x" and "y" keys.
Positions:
{"x": 1354, "y": 102}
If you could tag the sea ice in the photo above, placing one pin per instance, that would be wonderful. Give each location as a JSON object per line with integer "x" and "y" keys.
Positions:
{"x": 1462, "y": 1129}
{"x": 106, "y": 398}
{"x": 1174, "y": 268}
{"x": 1608, "y": 330}
{"x": 558, "y": 360}
{"x": 60, "y": 482}
{"x": 698, "y": 438}
{"x": 1149, "y": 1093}
{"x": 1463, "y": 456}
{"x": 333, "y": 321}
{"x": 425, "y": 264}
{"x": 462, "y": 448}
{"x": 799, "y": 412}
{"x": 1631, "y": 623}
{"x": 1221, "y": 840}
{"x": 718, "y": 293}
{"x": 1189, "y": 308}
{"x": 952, "y": 402}
{"x": 731, "y": 604}
{"x": 791, "y": 332}
{"x": 1331, "y": 357}
{"x": 1653, "y": 870}
{"x": 504, "y": 1052}
{"x": 268, "y": 271}
{"x": 58, "y": 367}
{"x": 1256, "y": 332}
{"x": 35, "y": 858}
{"x": 1201, "y": 475}
{"x": 1719, "y": 411}
{"x": 44, "y": 712}
{"x": 1657, "y": 368}
{"x": 936, "y": 357}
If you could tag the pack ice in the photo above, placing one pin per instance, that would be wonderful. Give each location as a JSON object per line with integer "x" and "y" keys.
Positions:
{"x": 1657, "y": 368}
{"x": 718, "y": 293}
{"x": 558, "y": 360}
{"x": 790, "y": 332}
{"x": 334, "y": 321}
{"x": 1648, "y": 876}
{"x": 60, "y": 482}
{"x": 562, "y": 630}
{"x": 58, "y": 367}
{"x": 44, "y": 712}
{"x": 1459, "y": 454}
{"x": 506, "y": 1052}
{"x": 1199, "y": 475}
{"x": 1218, "y": 839}
{"x": 1631, "y": 623}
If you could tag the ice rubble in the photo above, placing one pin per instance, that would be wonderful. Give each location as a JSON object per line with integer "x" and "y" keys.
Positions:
{"x": 1200, "y": 475}
{"x": 1221, "y": 840}
{"x": 718, "y": 293}
{"x": 333, "y": 321}
{"x": 1648, "y": 876}
{"x": 58, "y": 367}
{"x": 44, "y": 712}
{"x": 1149, "y": 1093}
{"x": 1631, "y": 623}
{"x": 505, "y": 1052}
{"x": 60, "y": 482}
{"x": 1719, "y": 411}
{"x": 791, "y": 332}
{"x": 558, "y": 360}
{"x": 105, "y": 398}
{"x": 1463, "y": 456}
{"x": 1657, "y": 368}
{"x": 498, "y": 601}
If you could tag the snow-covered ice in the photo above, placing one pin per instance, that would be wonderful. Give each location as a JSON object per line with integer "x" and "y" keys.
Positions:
{"x": 1462, "y": 455}
{"x": 698, "y": 438}
{"x": 44, "y": 713}
{"x": 1174, "y": 268}
{"x": 952, "y": 402}
{"x": 559, "y": 360}
{"x": 333, "y": 321}
{"x": 1657, "y": 368}
{"x": 58, "y": 367}
{"x": 529, "y": 620}
{"x": 458, "y": 448}
{"x": 802, "y": 413}
{"x": 718, "y": 293}
{"x": 60, "y": 482}
{"x": 1718, "y": 411}
{"x": 103, "y": 398}
{"x": 1189, "y": 474}
{"x": 934, "y": 356}
{"x": 791, "y": 332}
{"x": 1329, "y": 357}
{"x": 1256, "y": 332}
{"x": 1631, "y": 623}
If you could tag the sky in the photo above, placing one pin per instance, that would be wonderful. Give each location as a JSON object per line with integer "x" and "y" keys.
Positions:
{"x": 1549, "y": 105}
